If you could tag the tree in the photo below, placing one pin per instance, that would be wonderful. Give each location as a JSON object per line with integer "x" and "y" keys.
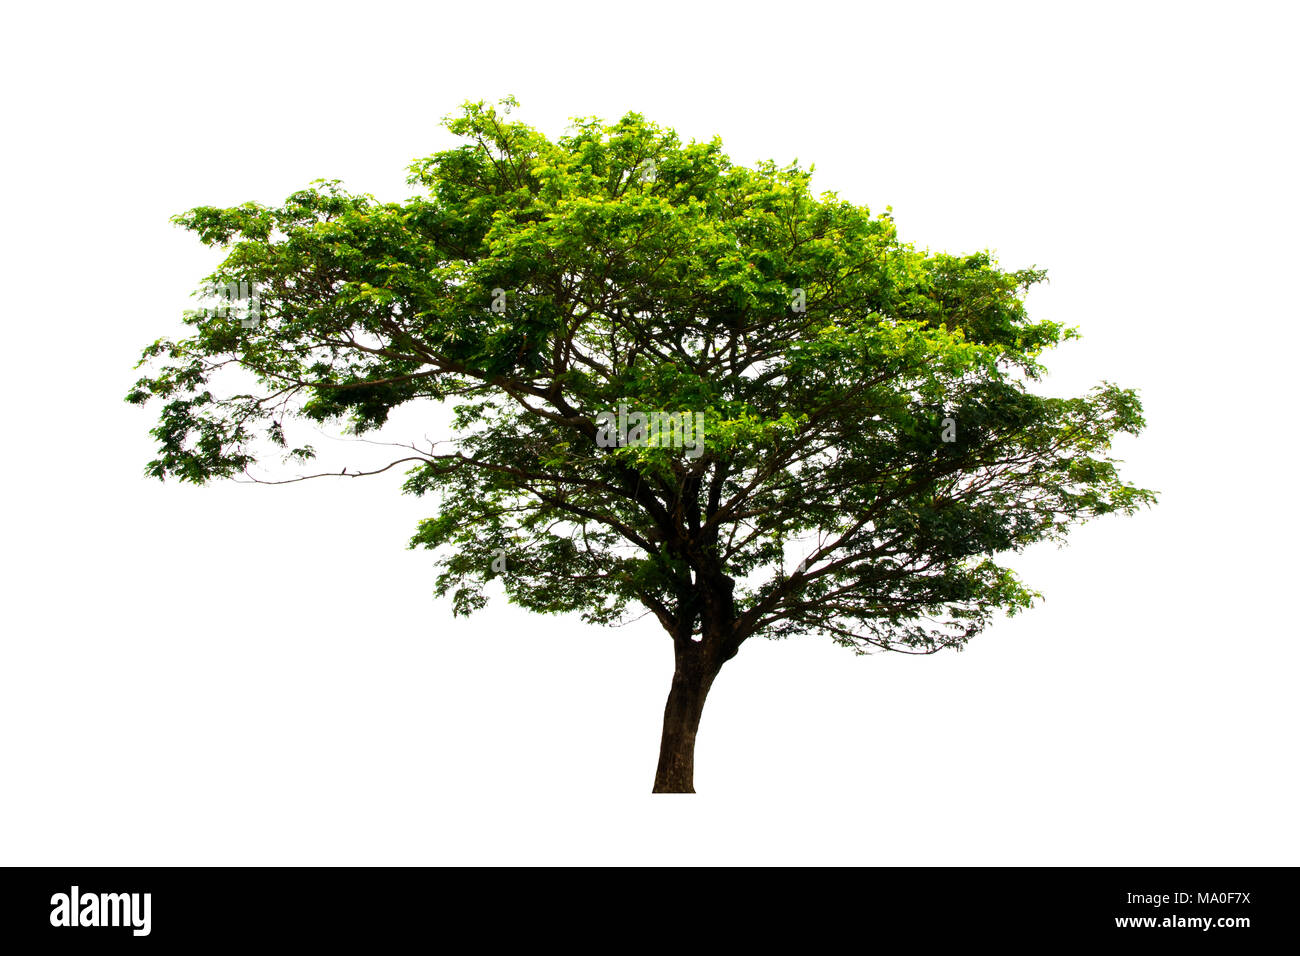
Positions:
{"x": 681, "y": 387}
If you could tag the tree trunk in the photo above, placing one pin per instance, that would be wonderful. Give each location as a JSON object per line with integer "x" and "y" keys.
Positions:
{"x": 692, "y": 678}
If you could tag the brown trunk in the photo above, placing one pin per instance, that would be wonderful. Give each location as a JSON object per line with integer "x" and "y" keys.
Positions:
{"x": 697, "y": 662}
{"x": 692, "y": 678}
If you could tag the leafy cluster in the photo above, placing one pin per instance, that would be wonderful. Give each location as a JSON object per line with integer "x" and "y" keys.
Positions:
{"x": 871, "y": 439}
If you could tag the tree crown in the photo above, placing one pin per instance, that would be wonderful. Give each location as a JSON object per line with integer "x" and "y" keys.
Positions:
{"x": 848, "y": 436}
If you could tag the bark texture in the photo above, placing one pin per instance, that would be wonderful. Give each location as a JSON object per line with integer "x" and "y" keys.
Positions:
{"x": 697, "y": 659}
{"x": 692, "y": 678}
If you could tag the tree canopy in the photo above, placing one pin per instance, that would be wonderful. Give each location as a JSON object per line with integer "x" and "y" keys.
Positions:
{"x": 871, "y": 444}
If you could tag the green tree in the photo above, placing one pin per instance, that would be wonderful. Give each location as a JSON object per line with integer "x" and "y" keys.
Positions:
{"x": 870, "y": 440}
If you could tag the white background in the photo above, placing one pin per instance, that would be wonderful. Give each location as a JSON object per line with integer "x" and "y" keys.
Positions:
{"x": 239, "y": 674}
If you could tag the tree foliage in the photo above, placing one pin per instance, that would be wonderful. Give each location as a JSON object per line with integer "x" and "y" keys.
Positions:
{"x": 872, "y": 442}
